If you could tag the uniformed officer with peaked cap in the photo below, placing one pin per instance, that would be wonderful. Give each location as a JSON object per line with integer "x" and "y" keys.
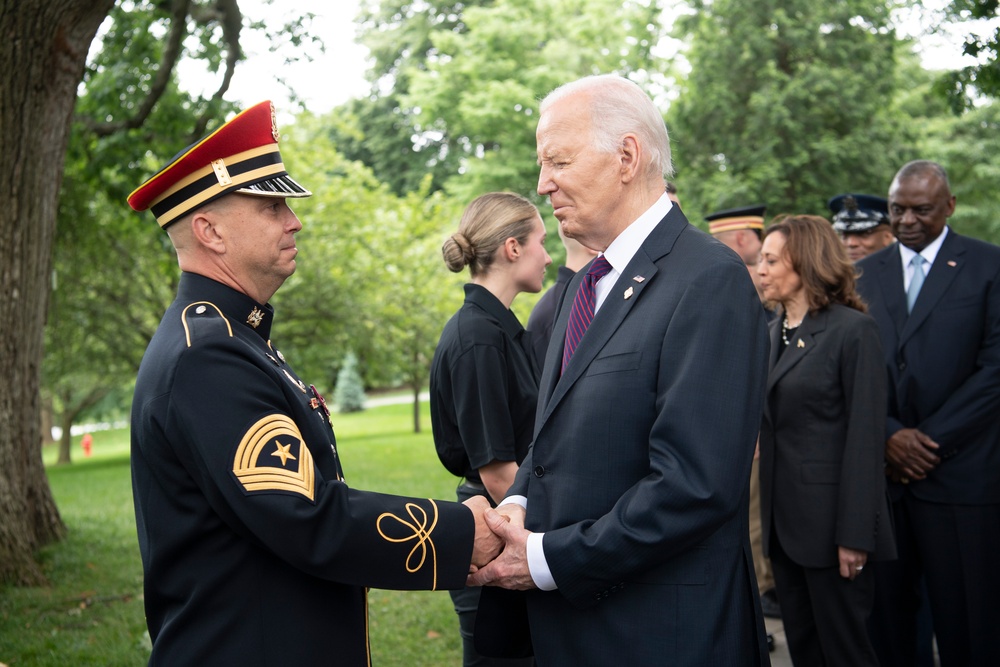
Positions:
{"x": 862, "y": 221}
{"x": 255, "y": 550}
{"x": 741, "y": 229}
{"x": 733, "y": 219}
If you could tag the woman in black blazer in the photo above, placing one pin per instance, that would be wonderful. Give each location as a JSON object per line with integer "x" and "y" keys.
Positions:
{"x": 821, "y": 445}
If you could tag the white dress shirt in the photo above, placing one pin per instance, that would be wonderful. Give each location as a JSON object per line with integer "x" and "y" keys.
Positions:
{"x": 929, "y": 254}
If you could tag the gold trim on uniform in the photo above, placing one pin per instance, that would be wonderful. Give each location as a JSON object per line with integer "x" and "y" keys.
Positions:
{"x": 421, "y": 528}
{"x": 265, "y": 439}
{"x": 221, "y": 173}
{"x": 201, "y": 309}
{"x": 274, "y": 124}
{"x": 255, "y": 317}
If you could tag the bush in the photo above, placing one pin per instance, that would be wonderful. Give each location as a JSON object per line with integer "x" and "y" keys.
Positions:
{"x": 350, "y": 392}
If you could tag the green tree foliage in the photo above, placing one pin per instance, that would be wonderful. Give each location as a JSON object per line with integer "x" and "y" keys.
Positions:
{"x": 461, "y": 82}
{"x": 983, "y": 78}
{"x": 788, "y": 102}
{"x": 483, "y": 86}
{"x": 380, "y": 130}
{"x": 967, "y": 144}
{"x": 369, "y": 276}
{"x": 377, "y": 131}
{"x": 114, "y": 272}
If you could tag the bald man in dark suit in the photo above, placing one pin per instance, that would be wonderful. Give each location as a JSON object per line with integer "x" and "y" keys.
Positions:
{"x": 936, "y": 298}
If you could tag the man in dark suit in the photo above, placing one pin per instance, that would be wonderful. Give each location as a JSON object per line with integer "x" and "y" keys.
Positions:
{"x": 936, "y": 298}
{"x": 628, "y": 519}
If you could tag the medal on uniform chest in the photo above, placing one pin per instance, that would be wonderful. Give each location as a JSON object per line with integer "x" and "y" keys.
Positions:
{"x": 298, "y": 383}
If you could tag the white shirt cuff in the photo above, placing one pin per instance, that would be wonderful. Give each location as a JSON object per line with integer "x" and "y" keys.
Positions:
{"x": 538, "y": 568}
{"x": 515, "y": 500}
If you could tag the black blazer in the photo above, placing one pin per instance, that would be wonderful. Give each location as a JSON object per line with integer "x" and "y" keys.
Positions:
{"x": 822, "y": 483}
{"x": 943, "y": 363}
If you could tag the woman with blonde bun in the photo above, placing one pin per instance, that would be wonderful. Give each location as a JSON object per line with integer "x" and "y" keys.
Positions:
{"x": 484, "y": 382}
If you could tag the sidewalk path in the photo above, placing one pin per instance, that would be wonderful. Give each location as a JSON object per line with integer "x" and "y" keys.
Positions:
{"x": 394, "y": 399}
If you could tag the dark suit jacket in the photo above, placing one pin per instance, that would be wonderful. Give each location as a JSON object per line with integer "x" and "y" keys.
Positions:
{"x": 639, "y": 471}
{"x": 822, "y": 483}
{"x": 943, "y": 361}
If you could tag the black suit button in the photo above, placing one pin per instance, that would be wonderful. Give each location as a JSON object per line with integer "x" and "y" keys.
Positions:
{"x": 539, "y": 471}
{"x": 902, "y": 366}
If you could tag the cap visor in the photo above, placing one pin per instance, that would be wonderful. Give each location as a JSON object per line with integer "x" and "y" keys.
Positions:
{"x": 277, "y": 186}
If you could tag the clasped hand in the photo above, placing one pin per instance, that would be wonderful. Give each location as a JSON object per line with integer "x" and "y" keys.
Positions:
{"x": 499, "y": 557}
{"x": 911, "y": 455}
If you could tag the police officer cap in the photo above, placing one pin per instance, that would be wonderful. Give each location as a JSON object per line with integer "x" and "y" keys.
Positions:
{"x": 241, "y": 156}
{"x": 853, "y": 214}
{"x": 747, "y": 217}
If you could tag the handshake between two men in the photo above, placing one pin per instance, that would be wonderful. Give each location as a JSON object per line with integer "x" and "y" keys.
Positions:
{"x": 499, "y": 554}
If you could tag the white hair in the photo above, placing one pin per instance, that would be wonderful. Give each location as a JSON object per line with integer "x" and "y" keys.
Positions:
{"x": 619, "y": 106}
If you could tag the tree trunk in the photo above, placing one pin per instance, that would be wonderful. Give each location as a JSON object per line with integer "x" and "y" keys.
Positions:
{"x": 43, "y": 51}
{"x": 66, "y": 439}
{"x": 46, "y": 421}
{"x": 73, "y": 407}
{"x": 416, "y": 408}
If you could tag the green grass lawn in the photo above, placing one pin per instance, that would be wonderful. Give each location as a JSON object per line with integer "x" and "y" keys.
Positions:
{"x": 91, "y": 613}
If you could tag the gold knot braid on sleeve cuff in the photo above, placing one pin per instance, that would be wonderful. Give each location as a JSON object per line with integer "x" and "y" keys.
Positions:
{"x": 421, "y": 526}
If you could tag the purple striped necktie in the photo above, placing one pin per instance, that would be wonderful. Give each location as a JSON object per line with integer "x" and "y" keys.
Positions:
{"x": 583, "y": 308}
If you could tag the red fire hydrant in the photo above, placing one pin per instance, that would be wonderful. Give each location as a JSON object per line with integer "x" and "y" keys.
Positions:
{"x": 87, "y": 442}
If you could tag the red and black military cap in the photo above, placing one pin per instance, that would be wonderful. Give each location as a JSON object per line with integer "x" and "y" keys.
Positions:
{"x": 241, "y": 156}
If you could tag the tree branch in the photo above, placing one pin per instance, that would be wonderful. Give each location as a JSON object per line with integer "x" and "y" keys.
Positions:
{"x": 178, "y": 31}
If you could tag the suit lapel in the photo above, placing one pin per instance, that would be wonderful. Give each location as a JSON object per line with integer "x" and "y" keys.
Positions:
{"x": 623, "y": 297}
{"x": 890, "y": 281}
{"x": 802, "y": 343}
{"x": 946, "y": 266}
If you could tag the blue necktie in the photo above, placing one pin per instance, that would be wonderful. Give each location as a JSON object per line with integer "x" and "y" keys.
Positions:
{"x": 916, "y": 282}
{"x": 583, "y": 307}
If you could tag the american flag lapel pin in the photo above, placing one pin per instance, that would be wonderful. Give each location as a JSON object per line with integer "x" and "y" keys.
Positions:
{"x": 952, "y": 263}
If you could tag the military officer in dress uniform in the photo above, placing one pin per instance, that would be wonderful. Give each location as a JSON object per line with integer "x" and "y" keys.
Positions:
{"x": 255, "y": 550}
{"x": 862, "y": 221}
{"x": 741, "y": 229}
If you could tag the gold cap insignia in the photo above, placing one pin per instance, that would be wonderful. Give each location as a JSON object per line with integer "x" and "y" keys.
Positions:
{"x": 274, "y": 124}
{"x": 273, "y": 457}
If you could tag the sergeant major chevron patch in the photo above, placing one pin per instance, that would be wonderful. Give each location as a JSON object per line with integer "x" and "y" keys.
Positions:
{"x": 272, "y": 457}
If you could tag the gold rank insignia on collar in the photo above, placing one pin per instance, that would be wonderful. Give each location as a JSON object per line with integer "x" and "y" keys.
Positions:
{"x": 255, "y": 317}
